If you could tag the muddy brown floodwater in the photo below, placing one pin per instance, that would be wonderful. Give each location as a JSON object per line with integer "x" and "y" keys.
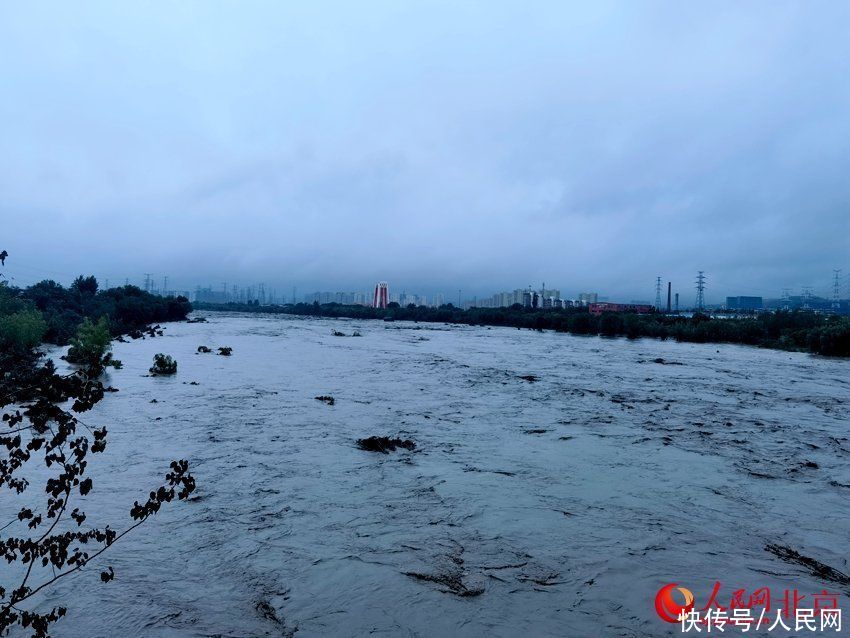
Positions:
{"x": 555, "y": 484}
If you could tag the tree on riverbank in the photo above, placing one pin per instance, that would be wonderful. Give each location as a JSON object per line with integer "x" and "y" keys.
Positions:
{"x": 91, "y": 343}
{"x": 127, "y": 307}
{"x": 50, "y": 536}
{"x": 23, "y": 329}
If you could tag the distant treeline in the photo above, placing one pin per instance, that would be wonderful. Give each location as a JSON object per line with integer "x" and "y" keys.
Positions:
{"x": 49, "y": 312}
{"x": 794, "y": 330}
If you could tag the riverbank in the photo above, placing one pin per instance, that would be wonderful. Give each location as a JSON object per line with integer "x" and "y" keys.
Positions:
{"x": 50, "y": 458}
{"x": 795, "y": 331}
{"x": 50, "y": 314}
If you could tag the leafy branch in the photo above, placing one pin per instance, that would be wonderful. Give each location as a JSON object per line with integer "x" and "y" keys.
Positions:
{"x": 52, "y": 541}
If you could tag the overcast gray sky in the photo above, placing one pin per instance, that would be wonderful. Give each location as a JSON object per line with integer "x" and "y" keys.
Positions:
{"x": 437, "y": 145}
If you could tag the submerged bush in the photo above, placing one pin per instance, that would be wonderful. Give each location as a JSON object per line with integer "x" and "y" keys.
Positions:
{"x": 109, "y": 361}
{"x": 91, "y": 343}
{"x": 163, "y": 364}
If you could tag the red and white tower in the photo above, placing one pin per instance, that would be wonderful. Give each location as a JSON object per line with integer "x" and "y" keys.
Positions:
{"x": 381, "y": 295}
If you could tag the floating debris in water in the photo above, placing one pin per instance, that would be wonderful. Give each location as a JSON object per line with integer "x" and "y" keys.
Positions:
{"x": 337, "y": 333}
{"x": 664, "y": 362}
{"x": 453, "y": 582}
{"x": 384, "y": 444}
{"x": 815, "y": 567}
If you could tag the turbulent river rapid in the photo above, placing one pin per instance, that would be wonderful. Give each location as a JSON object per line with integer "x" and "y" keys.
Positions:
{"x": 551, "y": 505}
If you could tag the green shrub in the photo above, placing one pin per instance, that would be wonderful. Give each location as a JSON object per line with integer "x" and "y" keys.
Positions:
{"x": 128, "y": 308}
{"x": 22, "y": 330}
{"x": 163, "y": 364}
{"x": 91, "y": 343}
{"x": 109, "y": 361}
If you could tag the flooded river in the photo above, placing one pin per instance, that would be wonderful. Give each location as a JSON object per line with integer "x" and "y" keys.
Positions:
{"x": 553, "y": 505}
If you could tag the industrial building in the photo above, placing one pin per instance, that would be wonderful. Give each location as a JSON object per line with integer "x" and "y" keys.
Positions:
{"x": 744, "y": 303}
{"x": 605, "y": 306}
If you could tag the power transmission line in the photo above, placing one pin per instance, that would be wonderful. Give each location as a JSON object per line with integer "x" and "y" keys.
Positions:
{"x": 658, "y": 293}
{"x": 700, "y": 291}
{"x": 836, "y": 289}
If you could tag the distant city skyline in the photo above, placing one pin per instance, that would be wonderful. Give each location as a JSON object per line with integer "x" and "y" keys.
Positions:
{"x": 236, "y": 290}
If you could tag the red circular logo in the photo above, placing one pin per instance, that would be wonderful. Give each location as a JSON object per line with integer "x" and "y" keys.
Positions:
{"x": 667, "y": 608}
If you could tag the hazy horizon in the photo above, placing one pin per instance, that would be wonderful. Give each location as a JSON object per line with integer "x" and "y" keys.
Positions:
{"x": 484, "y": 146}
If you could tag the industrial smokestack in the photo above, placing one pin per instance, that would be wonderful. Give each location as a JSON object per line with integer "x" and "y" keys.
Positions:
{"x": 668, "y": 297}
{"x": 677, "y": 303}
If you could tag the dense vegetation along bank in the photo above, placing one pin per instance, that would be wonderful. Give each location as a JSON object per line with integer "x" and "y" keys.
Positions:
{"x": 795, "y": 330}
{"x": 64, "y": 309}
{"x": 41, "y": 433}
{"x": 81, "y": 315}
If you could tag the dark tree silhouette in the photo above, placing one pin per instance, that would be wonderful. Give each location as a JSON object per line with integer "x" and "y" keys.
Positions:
{"x": 128, "y": 307}
{"x": 50, "y": 536}
{"x": 85, "y": 285}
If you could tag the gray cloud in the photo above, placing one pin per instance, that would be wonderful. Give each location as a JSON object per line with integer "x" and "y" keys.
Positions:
{"x": 480, "y": 146}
